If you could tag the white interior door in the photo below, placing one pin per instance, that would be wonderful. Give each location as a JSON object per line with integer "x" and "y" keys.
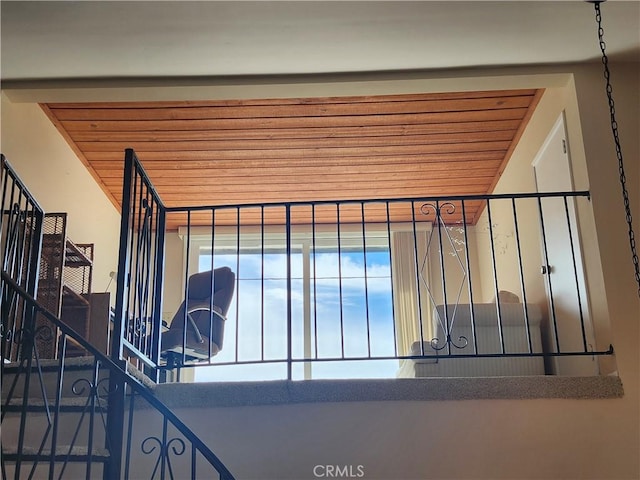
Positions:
{"x": 569, "y": 319}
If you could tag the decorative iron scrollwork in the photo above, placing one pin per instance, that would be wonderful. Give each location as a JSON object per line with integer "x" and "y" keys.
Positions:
{"x": 137, "y": 325}
{"x": 436, "y": 341}
{"x": 437, "y": 208}
{"x": 164, "y": 452}
{"x": 94, "y": 390}
{"x": 44, "y": 333}
{"x": 444, "y": 230}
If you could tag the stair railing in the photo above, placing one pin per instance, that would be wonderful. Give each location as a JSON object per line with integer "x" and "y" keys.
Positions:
{"x": 112, "y": 447}
{"x": 21, "y": 222}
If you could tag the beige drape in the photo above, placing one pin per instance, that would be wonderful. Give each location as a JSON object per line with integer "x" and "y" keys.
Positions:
{"x": 410, "y": 296}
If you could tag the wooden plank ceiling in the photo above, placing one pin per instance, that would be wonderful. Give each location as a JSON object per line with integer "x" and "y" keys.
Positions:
{"x": 302, "y": 149}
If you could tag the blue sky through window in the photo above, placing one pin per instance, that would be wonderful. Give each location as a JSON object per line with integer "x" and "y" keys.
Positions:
{"x": 350, "y": 315}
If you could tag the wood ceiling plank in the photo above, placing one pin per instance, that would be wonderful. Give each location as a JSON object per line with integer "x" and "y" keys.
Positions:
{"x": 73, "y": 126}
{"x": 318, "y": 133}
{"x": 330, "y": 142}
{"x": 167, "y": 177}
{"x": 317, "y": 153}
{"x": 444, "y": 161}
{"x": 302, "y": 178}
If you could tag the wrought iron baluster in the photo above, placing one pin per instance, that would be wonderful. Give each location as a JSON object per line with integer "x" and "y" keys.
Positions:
{"x": 575, "y": 275}
{"x": 289, "y": 298}
{"x": 447, "y": 323}
{"x": 156, "y": 325}
{"x": 467, "y": 272}
{"x": 314, "y": 252}
{"x": 262, "y": 242}
{"x": 340, "y": 293}
{"x": 419, "y": 275}
{"x": 391, "y": 268}
{"x": 238, "y": 231}
{"x": 521, "y": 276}
{"x": 366, "y": 283}
{"x": 495, "y": 278}
{"x": 143, "y": 272}
{"x": 545, "y": 252}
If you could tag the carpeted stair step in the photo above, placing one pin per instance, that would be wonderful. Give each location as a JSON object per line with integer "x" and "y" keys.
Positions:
{"x": 63, "y": 453}
{"x": 78, "y": 371}
{"x": 67, "y": 404}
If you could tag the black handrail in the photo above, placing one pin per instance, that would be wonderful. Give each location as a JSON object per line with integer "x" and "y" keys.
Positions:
{"x": 448, "y": 198}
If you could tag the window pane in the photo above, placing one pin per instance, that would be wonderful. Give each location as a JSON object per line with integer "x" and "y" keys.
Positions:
{"x": 349, "y": 314}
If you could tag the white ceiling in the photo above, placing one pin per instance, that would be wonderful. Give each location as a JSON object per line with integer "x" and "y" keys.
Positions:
{"x": 108, "y": 39}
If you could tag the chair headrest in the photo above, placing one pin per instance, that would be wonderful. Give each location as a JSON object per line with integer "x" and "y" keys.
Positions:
{"x": 200, "y": 283}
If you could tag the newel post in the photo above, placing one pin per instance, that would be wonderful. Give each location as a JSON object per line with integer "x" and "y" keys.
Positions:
{"x": 115, "y": 415}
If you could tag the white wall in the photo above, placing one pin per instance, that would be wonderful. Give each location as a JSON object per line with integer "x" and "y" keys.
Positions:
{"x": 60, "y": 183}
{"x": 174, "y": 275}
{"x": 610, "y": 230}
{"x": 499, "y": 439}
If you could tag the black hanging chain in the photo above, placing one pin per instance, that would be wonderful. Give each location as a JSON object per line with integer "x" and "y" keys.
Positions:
{"x": 616, "y": 138}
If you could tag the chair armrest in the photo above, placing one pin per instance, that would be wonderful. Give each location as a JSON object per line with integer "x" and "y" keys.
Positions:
{"x": 205, "y": 306}
{"x": 198, "y": 307}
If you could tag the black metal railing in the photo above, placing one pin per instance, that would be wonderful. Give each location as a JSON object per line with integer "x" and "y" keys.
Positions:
{"x": 58, "y": 416}
{"x": 21, "y": 240}
{"x": 138, "y": 314}
{"x": 322, "y": 287}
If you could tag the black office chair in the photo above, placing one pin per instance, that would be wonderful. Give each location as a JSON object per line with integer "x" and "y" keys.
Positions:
{"x": 198, "y": 335}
